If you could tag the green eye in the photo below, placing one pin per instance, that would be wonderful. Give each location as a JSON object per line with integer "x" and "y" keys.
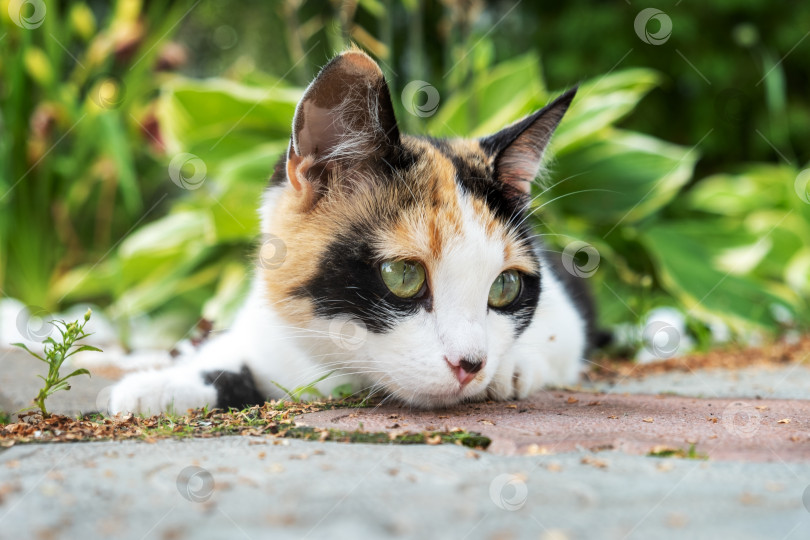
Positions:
{"x": 505, "y": 289}
{"x": 404, "y": 278}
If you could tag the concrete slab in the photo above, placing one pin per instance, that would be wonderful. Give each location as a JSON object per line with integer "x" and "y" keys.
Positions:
{"x": 243, "y": 487}
{"x": 19, "y": 385}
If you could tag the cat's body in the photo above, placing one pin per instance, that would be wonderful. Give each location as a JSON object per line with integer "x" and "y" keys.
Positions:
{"x": 396, "y": 263}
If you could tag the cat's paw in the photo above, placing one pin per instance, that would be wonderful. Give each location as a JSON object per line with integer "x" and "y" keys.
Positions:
{"x": 153, "y": 392}
{"x": 514, "y": 383}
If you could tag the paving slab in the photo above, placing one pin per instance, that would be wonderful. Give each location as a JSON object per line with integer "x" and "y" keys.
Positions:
{"x": 560, "y": 421}
{"x": 762, "y": 381}
{"x": 246, "y": 487}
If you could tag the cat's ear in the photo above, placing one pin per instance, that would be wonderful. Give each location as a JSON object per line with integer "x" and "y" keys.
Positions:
{"x": 345, "y": 119}
{"x": 518, "y": 149}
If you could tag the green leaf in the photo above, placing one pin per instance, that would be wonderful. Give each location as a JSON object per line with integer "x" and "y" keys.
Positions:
{"x": 217, "y": 119}
{"x": 88, "y": 348}
{"x": 29, "y": 351}
{"x": 512, "y": 89}
{"x": 758, "y": 186}
{"x": 600, "y": 103}
{"x": 683, "y": 262}
{"x": 620, "y": 178}
{"x": 80, "y": 371}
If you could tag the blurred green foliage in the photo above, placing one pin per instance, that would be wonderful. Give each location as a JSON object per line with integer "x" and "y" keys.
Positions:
{"x": 76, "y": 168}
{"x": 678, "y": 163}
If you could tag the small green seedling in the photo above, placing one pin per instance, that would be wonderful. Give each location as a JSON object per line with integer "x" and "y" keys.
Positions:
{"x": 56, "y": 354}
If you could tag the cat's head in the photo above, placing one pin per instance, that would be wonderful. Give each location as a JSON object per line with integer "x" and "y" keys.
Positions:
{"x": 408, "y": 259}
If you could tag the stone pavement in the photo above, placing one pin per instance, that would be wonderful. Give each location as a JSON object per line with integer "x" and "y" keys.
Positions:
{"x": 560, "y": 466}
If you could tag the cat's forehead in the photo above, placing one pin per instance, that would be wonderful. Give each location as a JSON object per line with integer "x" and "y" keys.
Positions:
{"x": 449, "y": 180}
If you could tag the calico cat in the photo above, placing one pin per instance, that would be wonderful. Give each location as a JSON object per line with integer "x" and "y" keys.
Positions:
{"x": 400, "y": 264}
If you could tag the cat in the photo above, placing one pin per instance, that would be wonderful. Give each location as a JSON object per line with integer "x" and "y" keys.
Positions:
{"x": 397, "y": 264}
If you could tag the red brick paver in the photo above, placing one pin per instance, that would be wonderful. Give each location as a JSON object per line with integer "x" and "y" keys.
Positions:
{"x": 560, "y": 421}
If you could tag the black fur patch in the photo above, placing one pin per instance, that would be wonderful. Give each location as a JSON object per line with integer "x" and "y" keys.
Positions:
{"x": 350, "y": 283}
{"x": 580, "y": 294}
{"x": 234, "y": 390}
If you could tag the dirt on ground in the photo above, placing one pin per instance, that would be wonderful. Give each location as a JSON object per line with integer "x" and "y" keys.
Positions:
{"x": 732, "y": 357}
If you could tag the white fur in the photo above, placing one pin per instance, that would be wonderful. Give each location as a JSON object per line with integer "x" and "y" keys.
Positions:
{"x": 407, "y": 362}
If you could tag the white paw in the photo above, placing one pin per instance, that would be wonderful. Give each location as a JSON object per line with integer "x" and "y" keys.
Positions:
{"x": 512, "y": 382}
{"x": 153, "y": 392}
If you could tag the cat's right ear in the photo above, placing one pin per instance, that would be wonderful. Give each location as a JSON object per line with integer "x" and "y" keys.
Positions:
{"x": 344, "y": 121}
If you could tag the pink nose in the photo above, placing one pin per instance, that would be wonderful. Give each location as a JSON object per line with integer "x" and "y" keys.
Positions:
{"x": 465, "y": 368}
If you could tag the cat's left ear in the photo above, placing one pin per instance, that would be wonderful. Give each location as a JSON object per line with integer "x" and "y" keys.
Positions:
{"x": 518, "y": 149}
